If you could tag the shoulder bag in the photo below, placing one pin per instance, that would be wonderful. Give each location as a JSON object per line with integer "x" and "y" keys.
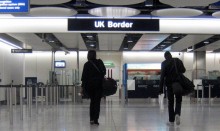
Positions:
{"x": 109, "y": 85}
{"x": 183, "y": 85}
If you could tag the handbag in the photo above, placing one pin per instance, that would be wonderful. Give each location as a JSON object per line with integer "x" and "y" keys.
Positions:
{"x": 109, "y": 85}
{"x": 183, "y": 86}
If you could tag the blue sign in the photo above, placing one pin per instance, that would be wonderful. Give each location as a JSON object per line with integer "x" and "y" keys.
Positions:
{"x": 14, "y": 6}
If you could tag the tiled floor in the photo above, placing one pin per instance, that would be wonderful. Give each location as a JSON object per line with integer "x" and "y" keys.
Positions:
{"x": 134, "y": 116}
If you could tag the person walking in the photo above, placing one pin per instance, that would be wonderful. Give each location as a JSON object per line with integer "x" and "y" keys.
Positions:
{"x": 167, "y": 77}
{"x": 92, "y": 76}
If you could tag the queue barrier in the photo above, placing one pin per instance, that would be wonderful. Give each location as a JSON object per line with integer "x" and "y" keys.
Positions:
{"x": 35, "y": 96}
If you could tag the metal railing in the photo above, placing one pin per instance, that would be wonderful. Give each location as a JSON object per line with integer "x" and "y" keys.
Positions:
{"x": 44, "y": 96}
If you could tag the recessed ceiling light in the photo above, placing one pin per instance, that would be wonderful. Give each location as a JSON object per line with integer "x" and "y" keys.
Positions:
{"x": 92, "y": 45}
{"x": 206, "y": 42}
{"x": 114, "y": 11}
{"x": 175, "y": 37}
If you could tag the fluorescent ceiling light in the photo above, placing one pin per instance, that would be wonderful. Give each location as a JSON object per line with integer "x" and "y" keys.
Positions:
{"x": 9, "y": 43}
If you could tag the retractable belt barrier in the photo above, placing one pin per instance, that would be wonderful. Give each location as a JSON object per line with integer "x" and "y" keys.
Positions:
{"x": 47, "y": 95}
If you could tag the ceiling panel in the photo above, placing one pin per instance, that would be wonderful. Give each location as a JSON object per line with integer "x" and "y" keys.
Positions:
{"x": 71, "y": 40}
{"x": 210, "y": 47}
{"x": 188, "y": 41}
{"x": 31, "y": 41}
{"x": 48, "y": 2}
{"x": 110, "y": 41}
{"x": 116, "y": 2}
{"x": 149, "y": 41}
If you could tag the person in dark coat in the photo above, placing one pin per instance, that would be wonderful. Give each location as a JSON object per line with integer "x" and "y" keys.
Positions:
{"x": 93, "y": 73}
{"x": 169, "y": 75}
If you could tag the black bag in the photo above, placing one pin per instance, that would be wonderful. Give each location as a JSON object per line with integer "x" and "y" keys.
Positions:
{"x": 183, "y": 85}
{"x": 109, "y": 86}
{"x": 188, "y": 86}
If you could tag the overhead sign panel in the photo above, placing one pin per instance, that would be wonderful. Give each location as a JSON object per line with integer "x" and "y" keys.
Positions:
{"x": 14, "y": 6}
{"x": 21, "y": 50}
{"x": 113, "y": 24}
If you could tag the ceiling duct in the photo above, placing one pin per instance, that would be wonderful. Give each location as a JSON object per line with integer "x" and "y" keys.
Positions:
{"x": 51, "y": 39}
{"x": 129, "y": 41}
{"x": 91, "y": 40}
{"x": 173, "y": 38}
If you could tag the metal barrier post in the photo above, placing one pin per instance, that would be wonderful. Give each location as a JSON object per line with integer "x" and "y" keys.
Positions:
{"x": 202, "y": 93}
{"x": 197, "y": 92}
{"x": 8, "y": 97}
{"x": 54, "y": 94}
{"x": 51, "y": 98}
{"x": 29, "y": 100}
{"x": 21, "y": 102}
{"x": 36, "y": 98}
{"x": 74, "y": 93}
{"x": 64, "y": 92}
{"x": 11, "y": 108}
{"x": 210, "y": 93}
{"x": 47, "y": 94}
{"x": 42, "y": 94}
{"x": 57, "y": 91}
{"x": 15, "y": 96}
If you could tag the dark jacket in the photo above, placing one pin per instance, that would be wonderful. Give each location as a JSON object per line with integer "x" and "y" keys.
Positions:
{"x": 168, "y": 72}
{"x": 90, "y": 72}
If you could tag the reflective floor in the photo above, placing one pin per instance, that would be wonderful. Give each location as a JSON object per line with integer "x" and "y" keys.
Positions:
{"x": 134, "y": 116}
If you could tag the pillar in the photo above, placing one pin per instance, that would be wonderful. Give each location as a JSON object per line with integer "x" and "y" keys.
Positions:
{"x": 199, "y": 64}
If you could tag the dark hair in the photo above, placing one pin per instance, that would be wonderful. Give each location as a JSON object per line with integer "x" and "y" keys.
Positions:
{"x": 167, "y": 55}
{"x": 91, "y": 55}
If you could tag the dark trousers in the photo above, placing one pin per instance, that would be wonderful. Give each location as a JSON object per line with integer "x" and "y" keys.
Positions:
{"x": 171, "y": 109}
{"x": 95, "y": 93}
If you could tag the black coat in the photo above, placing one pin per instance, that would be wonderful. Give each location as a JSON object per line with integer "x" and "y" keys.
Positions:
{"x": 90, "y": 72}
{"x": 168, "y": 71}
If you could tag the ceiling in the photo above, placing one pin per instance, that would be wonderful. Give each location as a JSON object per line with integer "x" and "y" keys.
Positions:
{"x": 118, "y": 42}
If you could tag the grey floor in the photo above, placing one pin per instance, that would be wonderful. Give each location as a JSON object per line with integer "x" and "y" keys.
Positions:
{"x": 134, "y": 116}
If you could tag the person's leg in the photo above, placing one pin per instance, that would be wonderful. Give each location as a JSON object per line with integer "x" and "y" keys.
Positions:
{"x": 171, "y": 105}
{"x": 92, "y": 108}
{"x": 178, "y": 105}
{"x": 97, "y": 106}
{"x": 178, "y": 108}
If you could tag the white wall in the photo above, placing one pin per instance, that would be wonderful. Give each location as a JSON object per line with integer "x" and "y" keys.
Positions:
{"x": 38, "y": 64}
{"x": 11, "y": 68}
{"x": 146, "y": 57}
{"x": 212, "y": 61}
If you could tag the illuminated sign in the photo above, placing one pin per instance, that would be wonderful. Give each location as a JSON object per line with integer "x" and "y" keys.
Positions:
{"x": 113, "y": 24}
{"x": 21, "y": 50}
{"x": 14, "y": 6}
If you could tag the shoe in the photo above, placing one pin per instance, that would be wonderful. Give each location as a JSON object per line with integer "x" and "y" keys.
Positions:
{"x": 177, "y": 118}
{"x": 170, "y": 123}
{"x": 96, "y": 122}
{"x": 92, "y": 122}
